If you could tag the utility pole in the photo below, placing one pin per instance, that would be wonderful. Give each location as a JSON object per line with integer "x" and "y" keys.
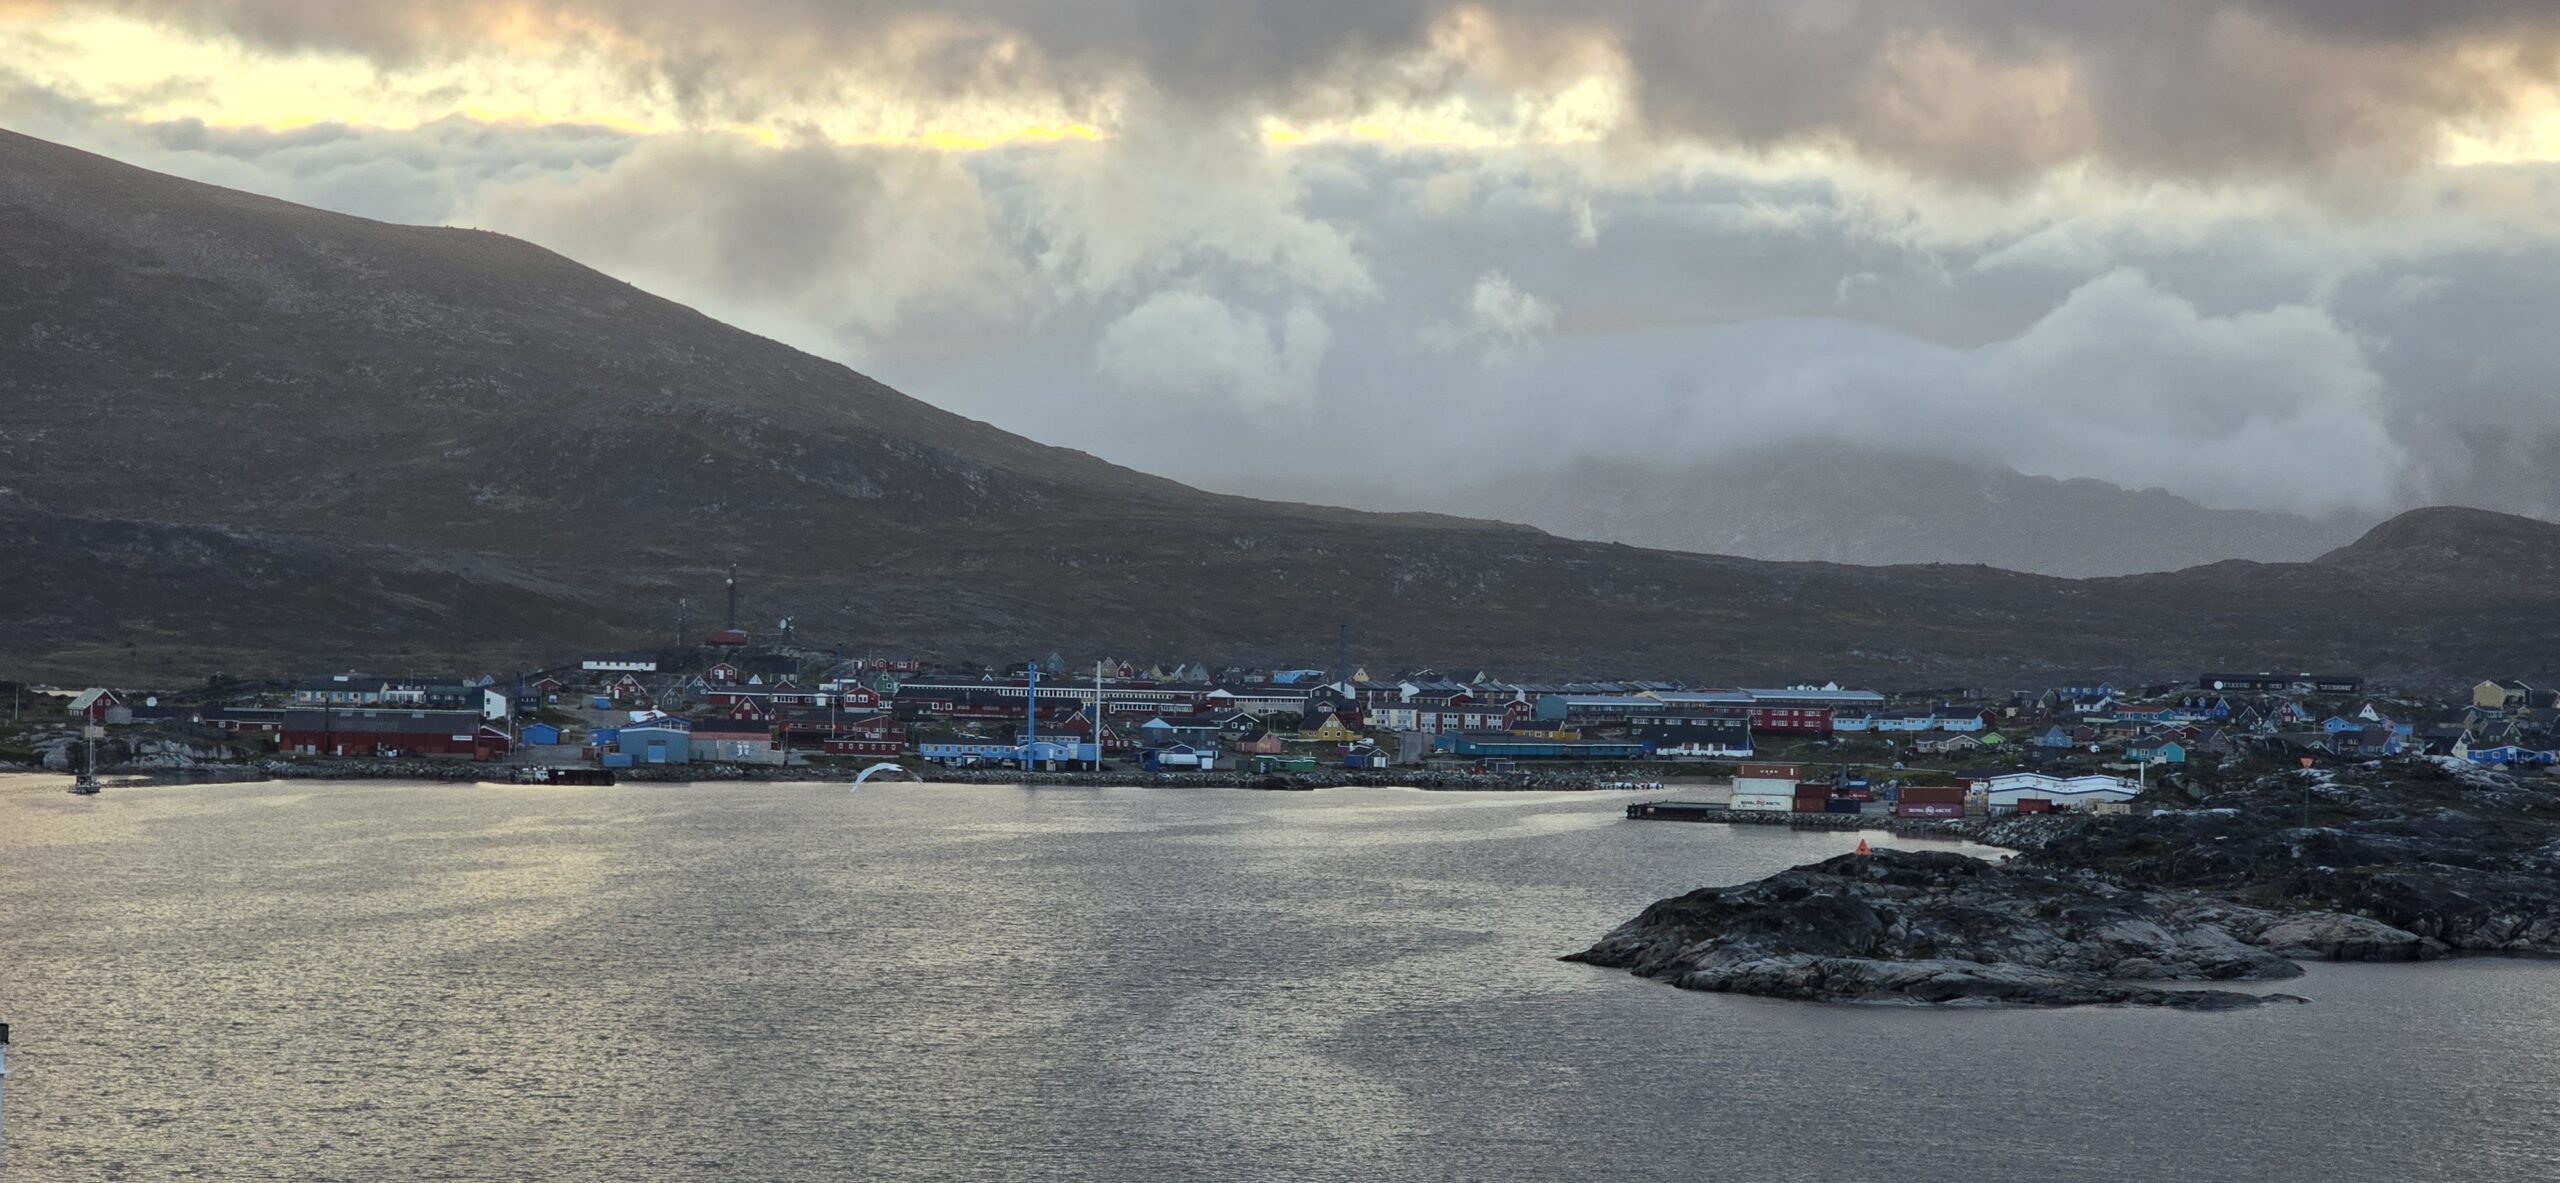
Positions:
{"x": 684, "y": 620}
{"x": 733, "y": 596}
{"x": 4, "y": 1089}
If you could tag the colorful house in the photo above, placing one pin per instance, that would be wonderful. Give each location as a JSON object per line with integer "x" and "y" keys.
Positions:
{"x": 2156, "y": 751}
{"x": 1330, "y": 729}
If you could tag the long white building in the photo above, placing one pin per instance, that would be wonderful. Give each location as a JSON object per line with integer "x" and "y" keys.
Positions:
{"x": 2075, "y": 792}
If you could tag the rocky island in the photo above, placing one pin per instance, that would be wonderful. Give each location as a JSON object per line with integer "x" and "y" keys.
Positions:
{"x": 2224, "y": 883}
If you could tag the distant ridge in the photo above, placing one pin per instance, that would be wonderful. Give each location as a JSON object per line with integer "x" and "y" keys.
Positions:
{"x": 2456, "y": 543}
{"x": 241, "y": 435}
{"x": 1837, "y": 503}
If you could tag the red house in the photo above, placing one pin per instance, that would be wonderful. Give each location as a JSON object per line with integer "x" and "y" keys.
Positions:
{"x": 391, "y": 733}
{"x": 92, "y": 705}
{"x": 1775, "y": 720}
{"x": 868, "y": 735}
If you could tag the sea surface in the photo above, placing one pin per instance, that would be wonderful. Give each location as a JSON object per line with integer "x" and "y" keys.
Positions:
{"x": 390, "y": 982}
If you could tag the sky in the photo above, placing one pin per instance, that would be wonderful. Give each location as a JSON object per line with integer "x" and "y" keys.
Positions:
{"x": 2286, "y": 255}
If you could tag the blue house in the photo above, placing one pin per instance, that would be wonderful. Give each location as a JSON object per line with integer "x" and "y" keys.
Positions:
{"x": 538, "y": 733}
{"x": 2056, "y": 736}
{"x": 2512, "y": 755}
{"x": 1053, "y": 755}
{"x": 972, "y": 751}
{"x": 657, "y": 741}
{"x": 2157, "y": 751}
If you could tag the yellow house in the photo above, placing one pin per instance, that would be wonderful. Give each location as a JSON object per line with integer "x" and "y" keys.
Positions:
{"x": 1330, "y": 730}
{"x": 2497, "y": 696}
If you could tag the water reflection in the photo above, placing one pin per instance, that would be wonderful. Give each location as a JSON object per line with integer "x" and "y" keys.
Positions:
{"x": 424, "y": 982}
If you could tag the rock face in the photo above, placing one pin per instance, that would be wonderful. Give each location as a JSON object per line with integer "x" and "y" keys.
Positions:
{"x": 2405, "y": 861}
{"x": 2465, "y": 857}
{"x": 1935, "y": 927}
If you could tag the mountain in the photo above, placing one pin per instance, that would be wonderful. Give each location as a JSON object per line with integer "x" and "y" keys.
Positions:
{"x": 242, "y": 435}
{"x": 1844, "y": 504}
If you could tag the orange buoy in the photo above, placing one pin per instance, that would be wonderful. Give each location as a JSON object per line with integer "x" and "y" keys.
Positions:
{"x": 1863, "y": 851}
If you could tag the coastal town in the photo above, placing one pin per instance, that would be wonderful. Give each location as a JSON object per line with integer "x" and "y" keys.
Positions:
{"x": 730, "y": 709}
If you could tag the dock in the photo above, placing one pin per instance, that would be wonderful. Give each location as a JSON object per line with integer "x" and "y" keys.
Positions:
{"x": 1678, "y": 811}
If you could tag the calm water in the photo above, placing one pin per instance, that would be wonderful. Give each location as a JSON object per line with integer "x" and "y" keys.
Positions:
{"x": 389, "y": 982}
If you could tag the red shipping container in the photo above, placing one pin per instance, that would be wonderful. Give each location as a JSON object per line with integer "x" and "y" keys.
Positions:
{"x": 1931, "y": 801}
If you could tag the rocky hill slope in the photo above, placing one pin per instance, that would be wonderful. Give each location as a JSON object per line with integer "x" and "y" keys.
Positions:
{"x": 244, "y": 435}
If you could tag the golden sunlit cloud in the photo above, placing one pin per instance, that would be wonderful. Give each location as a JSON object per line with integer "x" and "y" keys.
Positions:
{"x": 540, "y": 72}
{"x": 2532, "y": 136}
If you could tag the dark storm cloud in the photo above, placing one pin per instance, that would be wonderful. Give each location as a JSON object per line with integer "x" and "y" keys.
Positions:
{"x": 1967, "y": 87}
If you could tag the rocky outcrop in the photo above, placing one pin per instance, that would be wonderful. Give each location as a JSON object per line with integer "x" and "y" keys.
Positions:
{"x": 2406, "y": 861}
{"x": 1938, "y": 927}
{"x": 2466, "y": 857}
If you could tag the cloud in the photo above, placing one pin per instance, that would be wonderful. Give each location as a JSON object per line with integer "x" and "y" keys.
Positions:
{"x": 1985, "y": 89}
{"x": 2276, "y": 408}
{"x": 1190, "y": 346}
{"x": 1497, "y": 318}
{"x": 842, "y": 245}
{"x": 2200, "y": 244}
{"x": 1500, "y": 310}
{"x": 1177, "y": 201}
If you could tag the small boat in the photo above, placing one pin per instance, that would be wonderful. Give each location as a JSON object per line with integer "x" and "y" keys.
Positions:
{"x": 86, "y": 784}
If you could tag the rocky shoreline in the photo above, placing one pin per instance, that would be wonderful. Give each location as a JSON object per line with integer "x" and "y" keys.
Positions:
{"x": 2409, "y": 862}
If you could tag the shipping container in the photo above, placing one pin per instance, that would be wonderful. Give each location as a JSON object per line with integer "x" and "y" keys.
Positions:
{"x": 1844, "y": 805}
{"x": 1931, "y": 801}
{"x": 1812, "y": 798}
{"x": 1750, "y": 801}
{"x": 2034, "y": 805}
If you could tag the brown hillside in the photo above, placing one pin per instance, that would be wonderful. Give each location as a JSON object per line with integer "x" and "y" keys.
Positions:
{"x": 240, "y": 431}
